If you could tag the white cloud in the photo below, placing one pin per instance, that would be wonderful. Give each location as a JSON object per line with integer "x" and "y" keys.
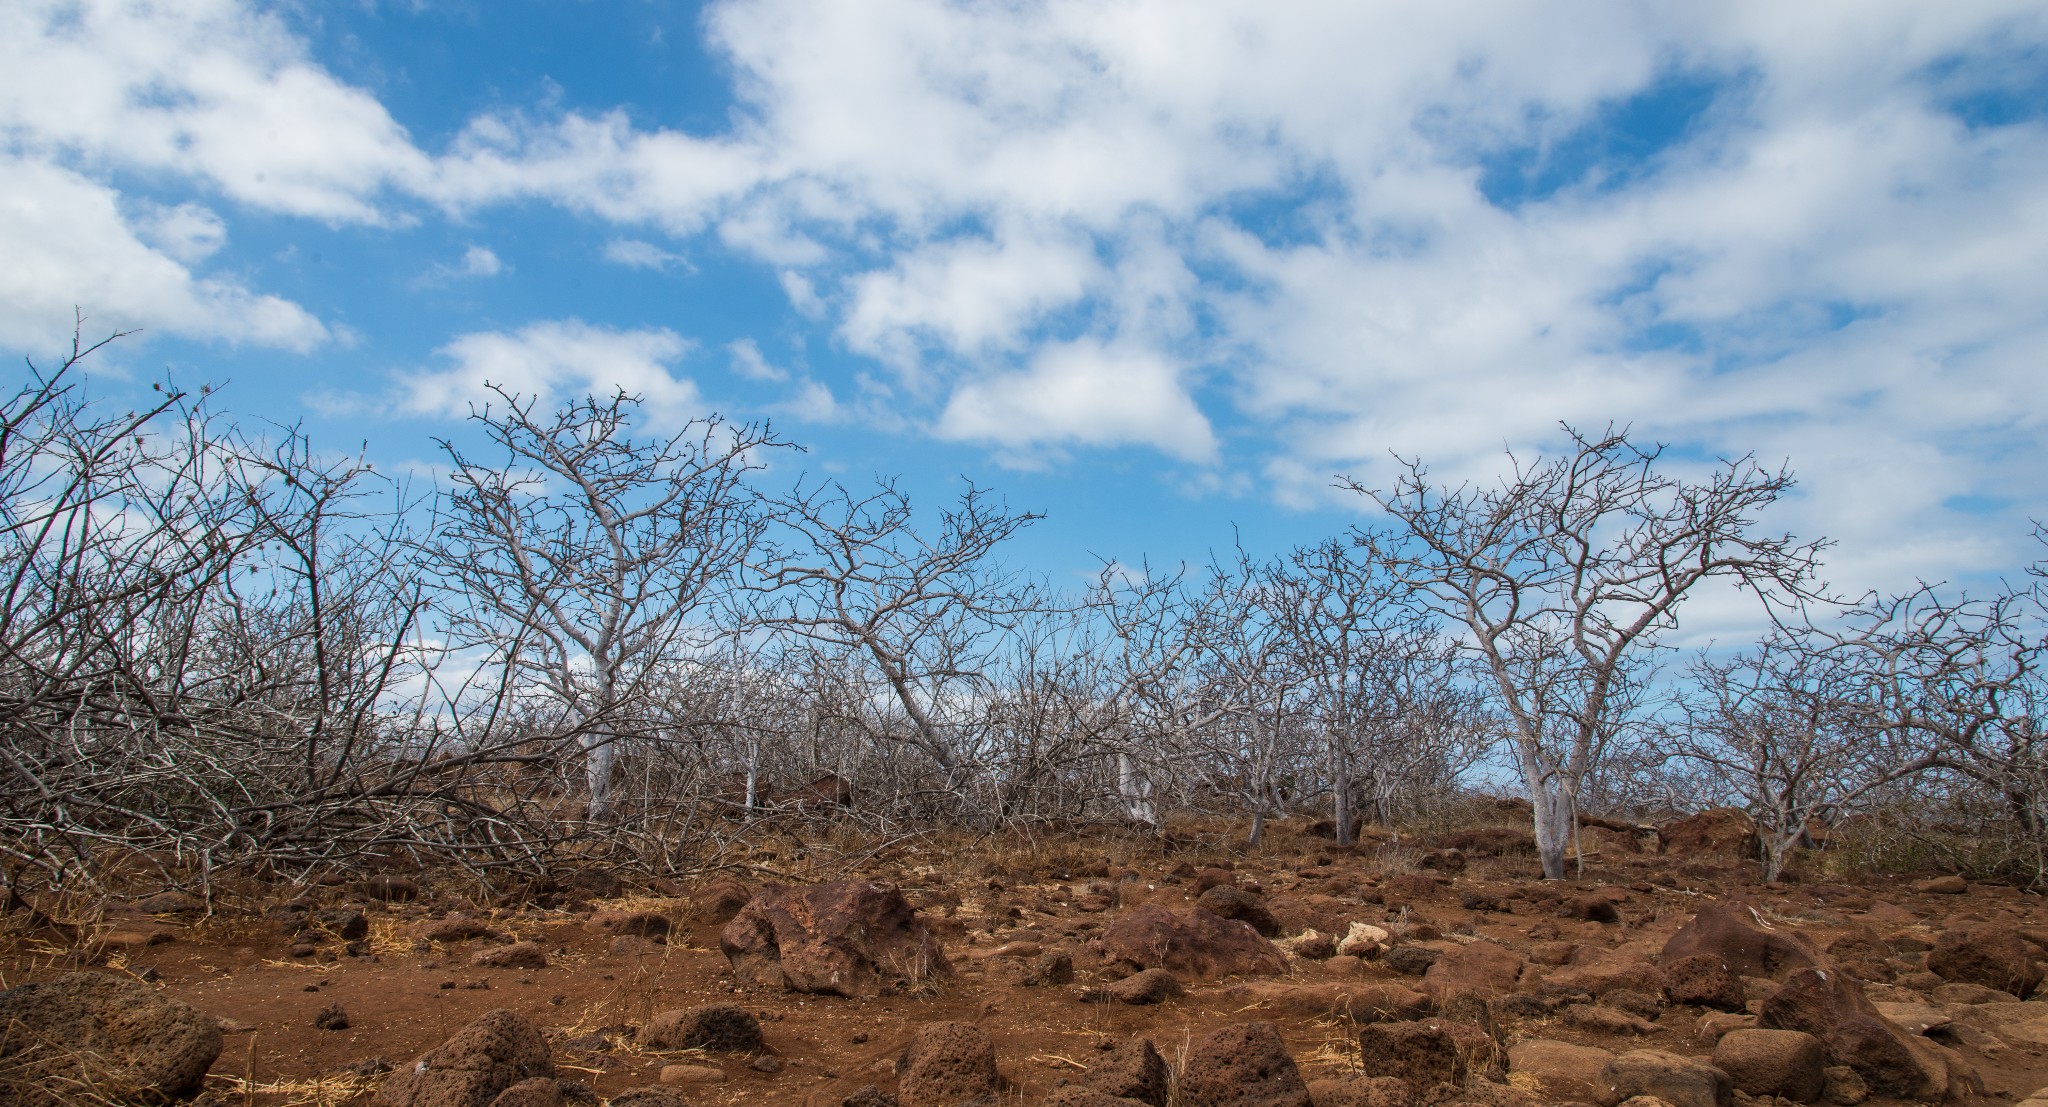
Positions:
{"x": 556, "y": 360}
{"x": 1083, "y": 393}
{"x": 480, "y": 261}
{"x": 1052, "y": 221}
{"x": 813, "y": 403}
{"x": 635, "y": 254}
{"x": 968, "y": 296}
{"x": 189, "y": 233}
{"x": 208, "y": 89}
{"x": 68, "y": 247}
{"x": 476, "y": 262}
{"x": 748, "y": 362}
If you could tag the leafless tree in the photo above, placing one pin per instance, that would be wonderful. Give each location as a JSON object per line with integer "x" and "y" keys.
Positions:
{"x": 1374, "y": 669}
{"x": 201, "y": 636}
{"x": 1961, "y": 678}
{"x": 1566, "y": 574}
{"x": 1783, "y": 726}
{"x": 922, "y": 612}
{"x": 580, "y": 557}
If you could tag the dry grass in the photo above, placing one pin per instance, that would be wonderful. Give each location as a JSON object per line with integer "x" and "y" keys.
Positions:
{"x": 38, "y": 1072}
{"x": 320, "y": 1091}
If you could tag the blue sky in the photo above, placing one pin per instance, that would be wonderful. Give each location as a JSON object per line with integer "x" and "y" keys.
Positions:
{"x": 1159, "y": 269}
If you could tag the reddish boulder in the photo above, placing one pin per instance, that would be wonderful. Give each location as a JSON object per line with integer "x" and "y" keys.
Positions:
{"x": 1139, "y": 989}
{"x": 1243, "y": 1065}
{"x": 470, "y": 1069}
{"x": 1601, "y": 972}
{"x": 1595, "y": 907}
{"x": 541, "y": 1091}
{"x": 1561, "y": 1070}
{"x": 1784, "y": 1063}
{"x": 1739, "y": 938}
{"x": 1678, "y": 1081}
{"x": 1988, "y": 954}
{"x": 1231, "y": 902}
{"x": 1703, "y": 980}
{"x": 717, "y": 902}
{"x": 152, "y": 1046}
{"x": 948, "y": 1064}
{"x": 721, "y": 1028}
{"x": 1716, "y": 834}
{"x": 849, "y": 938}
{"x": 1484, "y": 969}
{"x": 1831, "y": 1007}
{"x": 1864, "y": 955}
{"x": 1422, "y": 1054}
{"x": 1197, "y": 944}
{"x": 1131, "y": 1070}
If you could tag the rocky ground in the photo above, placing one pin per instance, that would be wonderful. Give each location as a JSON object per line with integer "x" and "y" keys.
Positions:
{"x": 1088, "y": 973}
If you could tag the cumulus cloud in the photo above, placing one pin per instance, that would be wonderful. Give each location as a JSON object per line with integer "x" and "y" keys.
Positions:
{"x": 68, "y": 246}
{"x": 555, "y": 361}
{"x": 209, "y": 89}
{"x": 1083, "y": 393}
{"x": 1321, "y": 232}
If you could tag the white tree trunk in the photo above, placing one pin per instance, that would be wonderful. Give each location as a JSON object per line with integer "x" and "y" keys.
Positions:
{"x": 1552, "y": 811}
{"x": 1136, "y": 790}
{"x": 599, "y": 753}
{"x": 1340, "y": 787}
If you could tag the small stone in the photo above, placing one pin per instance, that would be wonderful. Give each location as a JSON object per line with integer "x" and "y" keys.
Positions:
{"x": 169, "y": 903}
{"x": 1364, "y": 941}
{"x": 1143, "y": 988}
{"x": 1410, "y": 960}
{"x": 331, "y": 1017}
{"x": 518, "y": 955}
{"x": 692, "y": 1074}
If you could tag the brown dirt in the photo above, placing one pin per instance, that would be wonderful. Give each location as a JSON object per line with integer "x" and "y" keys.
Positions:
{"x": 404, "y": 996}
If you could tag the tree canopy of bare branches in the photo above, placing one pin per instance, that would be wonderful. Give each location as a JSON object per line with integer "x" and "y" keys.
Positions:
{"x": 1565, "y": 575}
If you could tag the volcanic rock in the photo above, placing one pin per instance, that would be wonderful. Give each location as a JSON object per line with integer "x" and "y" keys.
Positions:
{"x": 470, "y": 1069}
{"x": 152, "y": 1045}
{"x": 948, "y": 1064}
{"x": 1679, "y": 1081}
{"x": 848, "y": 938}
{"x": 721, "y": 1028}
{"x": 1773, "y": 1062}
{"x": 1242, "y": 1065}
{"x": 1987, "y": 954}
{"x": 1197, "y": 944}
{"x": 1742, "y": 942}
